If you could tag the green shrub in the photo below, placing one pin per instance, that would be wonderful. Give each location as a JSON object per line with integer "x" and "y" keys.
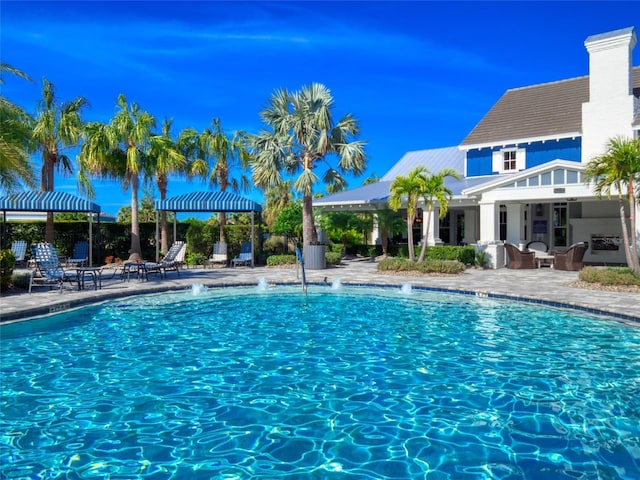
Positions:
{"x": 278, "y": 260}
{"x": 609, "y": 276}
{"x": 7, "y": 261}
{"x": 466, "y": 254}
{"x": 482, "y": 259}
{"x": 393, "y": 264}
{"x": 333, "y": 258}
{"x": 273, "y": 244}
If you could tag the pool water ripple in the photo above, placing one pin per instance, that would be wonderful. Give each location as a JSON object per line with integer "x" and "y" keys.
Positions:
{"x": 341, "y": 383}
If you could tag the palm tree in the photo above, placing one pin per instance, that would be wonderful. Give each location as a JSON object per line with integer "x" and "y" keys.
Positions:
{"x": 411, "y": 187}
{"x": 165, "y": 158}
{"x": 276, "y": 198}
{"x": 302, "y": 133}
{"x": 435, "y": 189}
{"x": 226, "y": 153}
{"x": 15, "y": 136}
{"x": 388, "y": 223}
{"x": 619, "y": 168}
{"x": 119, "y": 150}
{"x": 56, "y": 126}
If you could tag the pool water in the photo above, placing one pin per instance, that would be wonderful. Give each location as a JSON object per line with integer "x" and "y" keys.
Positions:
{"x": 344, "y": 383}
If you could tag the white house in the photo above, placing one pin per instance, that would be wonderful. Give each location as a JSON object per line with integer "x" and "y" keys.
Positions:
{"x": 522, "y": 165}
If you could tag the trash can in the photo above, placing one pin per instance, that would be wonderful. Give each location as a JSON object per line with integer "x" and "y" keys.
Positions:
{"x": 314, "y": 257}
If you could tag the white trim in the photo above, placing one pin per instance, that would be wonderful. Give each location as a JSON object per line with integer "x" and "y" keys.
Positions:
{"x": 518, "y": 141}
{"x": 508, "y": 178}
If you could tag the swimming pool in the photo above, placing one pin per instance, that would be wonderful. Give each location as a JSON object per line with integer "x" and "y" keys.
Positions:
{"x": 356, "y": 383}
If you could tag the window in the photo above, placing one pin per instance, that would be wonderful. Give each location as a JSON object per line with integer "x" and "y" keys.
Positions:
{"x": 508, "y": 160}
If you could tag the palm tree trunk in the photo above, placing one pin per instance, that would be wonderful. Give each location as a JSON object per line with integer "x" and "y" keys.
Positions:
{"x": 384, "y": 239}
{"x": 164, "y": 231}
{"x": 135, "y": 253}
{"x": 412, "y": 255}
{"x": 47, "y": 186}
{"x": 625, "y": 234}
{"x": 635, "y": 266}
{"x": 426, "y": 235}
{"x": 223, "y": 222}
{"x": 309, "y": 235}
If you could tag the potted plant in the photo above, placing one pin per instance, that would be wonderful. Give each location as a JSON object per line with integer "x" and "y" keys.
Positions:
{"x": 7, "y": 261}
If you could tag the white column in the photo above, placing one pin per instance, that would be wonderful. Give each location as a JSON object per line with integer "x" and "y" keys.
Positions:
{"x": 376, "y": 239}
{"x": 434, "y": 227}
{"x": 489, "y": 222}
{"x": 514, "y": 223}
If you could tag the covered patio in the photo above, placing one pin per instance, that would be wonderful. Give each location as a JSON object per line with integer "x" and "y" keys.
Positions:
{"x": 49, "y": 202}
{"x": 226, "y": 202}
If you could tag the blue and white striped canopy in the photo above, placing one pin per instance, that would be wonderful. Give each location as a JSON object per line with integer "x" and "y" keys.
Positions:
{"x": 208, "y": 202}
{"x": 46, "y": 202}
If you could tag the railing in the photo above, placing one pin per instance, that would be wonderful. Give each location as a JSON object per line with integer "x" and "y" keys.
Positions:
{"x": 304, "y": 277}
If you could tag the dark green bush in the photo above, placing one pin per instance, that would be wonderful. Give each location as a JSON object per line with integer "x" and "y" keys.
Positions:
{"x": 609, "y": 276}
{"x": 394, "y": 264}
{"x": 466, "y": 254}
{"x": 333, "y": 258}
{"x": 277, "y": 260}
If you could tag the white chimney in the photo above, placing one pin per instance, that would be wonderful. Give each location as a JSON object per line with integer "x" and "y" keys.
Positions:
{"x": 610, "y": 109}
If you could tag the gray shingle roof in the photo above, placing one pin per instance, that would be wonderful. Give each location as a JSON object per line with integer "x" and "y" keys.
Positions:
{"x": 545, "y": 110}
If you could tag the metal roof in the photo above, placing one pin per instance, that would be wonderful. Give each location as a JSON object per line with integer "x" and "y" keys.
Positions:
{"x": 208, "y": 202}
{"x": 434, "y": 159}
{"x": 372, "y": 193}
{"x": 47, "y": 202}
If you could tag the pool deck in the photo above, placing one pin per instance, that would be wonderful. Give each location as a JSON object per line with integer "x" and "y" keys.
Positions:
{"x": 538, "y": 285}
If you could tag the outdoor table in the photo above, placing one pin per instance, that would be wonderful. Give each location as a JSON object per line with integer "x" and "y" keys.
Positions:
{"x": 94, "y": 272}
{"x": 139, "y": 269}
{"x": 544, "y": 258}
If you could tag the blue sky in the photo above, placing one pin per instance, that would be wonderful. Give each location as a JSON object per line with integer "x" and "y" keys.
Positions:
{"x": 416, "y": 75}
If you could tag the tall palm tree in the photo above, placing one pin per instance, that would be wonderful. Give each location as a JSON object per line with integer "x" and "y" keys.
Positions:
{"x": 435, "y": 189}
{"x": 225, "y": 153}
{"x": 165, "y": 158}
{"x": 119, "y": 150}
{"x": 619, "y": 167}
{"x": 410, "y": 186}
{"x": 56, "y": 126}
{"x": 15, "y": 136}
{"x": 302, "y": 133}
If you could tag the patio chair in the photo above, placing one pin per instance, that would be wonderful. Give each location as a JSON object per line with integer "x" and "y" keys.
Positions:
{"x": 572, "y": 258}
{"x": 80, "y": 256}
{"x": 245, "y": 257}
{"x": 173, "y": 260}
{"x": 48, "y": 269}
{"x": 537, "y": 246}
{"x": 219, "y": 253}
{"x": 519, "y": 259}
{"x": 19, "y": 249}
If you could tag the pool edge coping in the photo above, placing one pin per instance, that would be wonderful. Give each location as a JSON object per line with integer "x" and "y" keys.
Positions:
{"x": 37, "y": 312}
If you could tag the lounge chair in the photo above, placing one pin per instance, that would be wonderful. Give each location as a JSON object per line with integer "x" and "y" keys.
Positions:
{"x": 19, "y": 249}
{"x": 219, "y": 253}
{"x": 80, "y": 256}
{"x": 173, "y": 260}
{"x": 572, "y": 258}
{"x": 519, "y": 259}
{"x": 245, "y": 257}
{"x": 48, "y": 270}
